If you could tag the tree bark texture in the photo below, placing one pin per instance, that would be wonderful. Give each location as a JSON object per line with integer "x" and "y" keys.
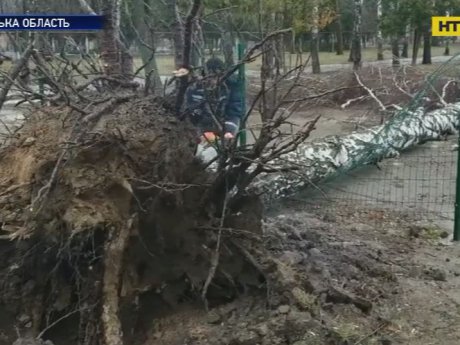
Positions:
{"x": 315, "y": 63}
{"x": 328, "y": 157}
{"x": 339, "y": 29}
{"x": 356, "y": 40}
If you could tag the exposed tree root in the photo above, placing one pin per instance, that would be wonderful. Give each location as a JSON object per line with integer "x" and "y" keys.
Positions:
{"x": 111, "y": 286}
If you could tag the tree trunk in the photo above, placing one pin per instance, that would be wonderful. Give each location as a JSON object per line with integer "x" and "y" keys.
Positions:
{"x": 355, "y": 53}
{"x": 86, "y": 7}
{"x": 41, "y": 50}
{"x": 268, "y": 57}
{"x": 280, "y": 60}
{"x": 16, "y": 71}
{"x": 339, "y": 29}
{"x": 379, "y": 31}
{"x": 177, "y": 29}
{"x": 111, "y": 284}
{"x": 198, "y": 48}
{"x": 395, "y": 51}
{"x": 127, "y": 62}
{"x": 405, "y": 49}
{"x": 110, "y": 48}
{"x": 314, "y": 48}
{"x": 416, "y": 46}
{"x": 228, "y": 42}
{"x": 292, "y": 44}
{"x": 146, "y": 43}
{"x": 316, "y": 161}
{"x": 447, "y": 48}
{"x": 187, "y": 39}
{"x": 268, "y": 61}
{"x": 426, "y": 47}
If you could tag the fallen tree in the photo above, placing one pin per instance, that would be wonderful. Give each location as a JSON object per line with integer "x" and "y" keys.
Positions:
{"x": 312, "y": 162}
{"x": 103, "y": 202}
{"x": 107, "y": 209}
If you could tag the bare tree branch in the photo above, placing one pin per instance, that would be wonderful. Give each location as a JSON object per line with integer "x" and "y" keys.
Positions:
{"x": 188, "y": 31}
{"x": 15, "y": 71}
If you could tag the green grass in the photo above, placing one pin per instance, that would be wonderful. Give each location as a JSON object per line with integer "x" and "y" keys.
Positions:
{"x": 166, "y": 62}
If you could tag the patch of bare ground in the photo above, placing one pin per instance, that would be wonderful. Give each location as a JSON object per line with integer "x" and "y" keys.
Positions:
{"x": 355, "y": 276}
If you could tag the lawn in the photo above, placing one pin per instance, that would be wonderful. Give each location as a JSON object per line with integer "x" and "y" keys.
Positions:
{"x": 166, "y": 62}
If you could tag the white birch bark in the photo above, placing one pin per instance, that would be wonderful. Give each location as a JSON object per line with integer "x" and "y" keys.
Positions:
{"x": 379, "y": 31}
{"x": 355, "y": 52}
{"x": 86, "y": 7}
{"x": 316, "y": 161}
{"x": 315, "y": 63}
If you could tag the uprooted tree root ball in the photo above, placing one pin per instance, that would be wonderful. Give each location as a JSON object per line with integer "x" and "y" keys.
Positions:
{"x": 106, "y": 213}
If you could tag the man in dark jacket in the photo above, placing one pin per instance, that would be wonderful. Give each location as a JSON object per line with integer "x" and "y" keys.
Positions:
{"x": 212, "y": 102}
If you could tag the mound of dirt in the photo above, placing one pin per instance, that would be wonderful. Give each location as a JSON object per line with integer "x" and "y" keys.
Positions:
{"x": 104, "y": 213}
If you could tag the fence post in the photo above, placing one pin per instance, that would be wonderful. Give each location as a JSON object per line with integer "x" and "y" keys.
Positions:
{"x": 457, "y": 196}
{"x": 242, "y": 79}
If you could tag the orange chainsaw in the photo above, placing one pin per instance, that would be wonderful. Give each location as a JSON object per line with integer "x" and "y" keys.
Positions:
{"x": 207, "y": 148}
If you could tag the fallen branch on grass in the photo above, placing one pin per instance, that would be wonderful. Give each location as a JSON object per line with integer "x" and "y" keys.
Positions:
{"x": 370, "y": 92}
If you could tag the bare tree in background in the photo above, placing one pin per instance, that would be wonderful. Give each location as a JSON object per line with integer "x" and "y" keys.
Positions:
{"x": 355, "y": 53}
{"x": 426, "y": 45}
{"x": 379, "y": 31}
{"x": 198, "y": 49}
{"x": 416, "y": 45}
{"x": 177, "y": 29}
{"x": 446, "y": 47}
{"x": 395, "y": 51}
{"x": 86, "y": 7}
{"x": 228, "y": 42}
{"x": 339, "y": 29}
{"x": 405, "y": 49}
{"x": 316, "y": 67}
{"x": 110, "y": 49}
{"x": 116, "y": 59}
{"x": 141, "y": 19}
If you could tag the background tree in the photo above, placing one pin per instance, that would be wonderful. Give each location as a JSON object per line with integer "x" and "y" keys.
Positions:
{"x": 379, "y": 31}
{"x": 355, "y": 52}
{"x": 316, "y": 66}
{"x": 339, "y": 29}
{"x": 140, "y": 26}
{"x": 395, "y": 18}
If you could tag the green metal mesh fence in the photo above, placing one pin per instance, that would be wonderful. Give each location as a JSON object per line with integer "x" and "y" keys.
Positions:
{"x": 420, "y": 183}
